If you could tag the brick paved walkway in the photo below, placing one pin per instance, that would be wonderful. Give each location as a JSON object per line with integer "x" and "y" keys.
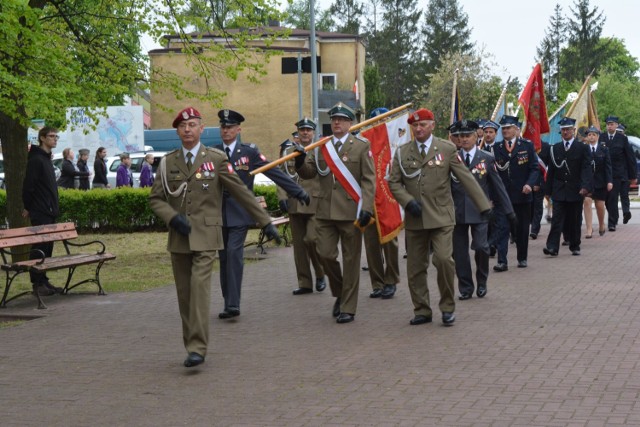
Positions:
{"x": 556, "y": 344}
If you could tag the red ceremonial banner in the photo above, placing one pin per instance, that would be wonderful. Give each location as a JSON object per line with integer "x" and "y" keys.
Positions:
{"x": 535, "y": 107}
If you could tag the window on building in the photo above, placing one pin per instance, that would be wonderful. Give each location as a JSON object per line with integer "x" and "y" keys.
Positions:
{"x": 328, "y": 81}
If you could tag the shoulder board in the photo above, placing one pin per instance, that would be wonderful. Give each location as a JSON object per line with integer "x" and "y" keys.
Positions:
{"x": 250, "y": 145}
{"x": 216, "y": 150}
{"x": 174, "y": 151}
{"x": 359, "y": 137}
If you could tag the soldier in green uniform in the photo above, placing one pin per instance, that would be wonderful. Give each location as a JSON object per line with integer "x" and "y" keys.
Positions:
{"x": 302, "y": 217}
{"x": 347, "y": 190}
{"x": 187, "y": 195}
{"x": 420, "y": 181}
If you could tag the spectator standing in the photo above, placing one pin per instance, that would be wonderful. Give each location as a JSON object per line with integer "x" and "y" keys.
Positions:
{"x": 146, "y": 173}
{"x": 69, "y": 171}
{"x": 40, "y": 200}
{"x": 83, "y": 156}
{"x": 124, "y": 178}
{"x": 100, "y": 169}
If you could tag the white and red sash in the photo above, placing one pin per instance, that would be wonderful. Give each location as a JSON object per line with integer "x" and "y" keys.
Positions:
{"x": 342, "y": 174}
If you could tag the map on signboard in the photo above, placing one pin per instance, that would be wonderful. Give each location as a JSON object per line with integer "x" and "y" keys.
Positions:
{"x": 120, "y": 129}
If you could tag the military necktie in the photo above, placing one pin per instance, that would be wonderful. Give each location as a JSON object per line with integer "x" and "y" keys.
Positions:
{"x": 510, "y": 145}
{"x": 338, "y": 144}
{"x": 228, "y": 151}
{"x": 189, "y": 160}
{"x": 610, "y": 137}
{"x": 423, "y": 152}
{"x": 566, "y": 145}
{"x": 593, "y": 150}
{"x": 468, "y": 160}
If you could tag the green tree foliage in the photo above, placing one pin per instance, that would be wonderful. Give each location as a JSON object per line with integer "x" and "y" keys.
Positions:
{"x": 479, "y": 89}
{"x": 394, "y": 50}
{"x": 619, "y": 96}
{"x": 445, "y": 31}
{"x": 548, "y": 53}
{"x": 375, "y": 97}
{"x": 297, "y": 16}
{"x": 583, "y": 53}
{"x": 347, "y": 15}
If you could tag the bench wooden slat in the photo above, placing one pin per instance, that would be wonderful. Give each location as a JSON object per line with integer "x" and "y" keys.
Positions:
{"x": 59, "y": 262}
{"x": 39, "y": 234}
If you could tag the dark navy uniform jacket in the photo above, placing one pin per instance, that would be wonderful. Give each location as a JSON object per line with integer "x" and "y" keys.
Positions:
{"x": 623, "y": 164}
{"x": 244, "y": 159}
{"x": 569, "y": 171}
{"x": 517, "y": 168}
{"x": 601, "y": 166}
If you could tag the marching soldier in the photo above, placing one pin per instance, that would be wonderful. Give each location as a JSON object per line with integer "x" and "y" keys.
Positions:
{"x": 303, "y": 219}
{"x": 347, "y": 189}
{"x": 187, "y": 195}
{"x": 236, "y": 221}
{"x": 483, "y": 168}
{"x": 421, "y": 182}
{"x": 518, "y": 167}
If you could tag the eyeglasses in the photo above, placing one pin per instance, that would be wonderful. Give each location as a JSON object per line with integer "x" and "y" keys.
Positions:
{"x": 53, "y": 136}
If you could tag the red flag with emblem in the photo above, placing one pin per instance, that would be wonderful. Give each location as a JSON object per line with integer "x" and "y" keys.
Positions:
{"x": 535, "y": 107}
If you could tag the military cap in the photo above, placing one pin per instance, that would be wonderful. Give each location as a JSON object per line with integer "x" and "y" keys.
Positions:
{"x": 377, "y": 111}
{"x": 230, "y": 118}
{"x": 454, "y": 128}
{"x": 295, "y": 134}
{"x": 83, "y": 151}
{"x": 285, "y": 144}
{"x": 306, "y": 123}
{"x": 507, "y": 121}
{"x": 341, "y": 110}
{"x": 592, "y": 129}
{"x": 567, "y": 122}
{"x": 481, "y": 123}
{"x": 490, "y": 124}
{"x": 613, "y": 119}
{"x": 621, "y": 128}
{"x": 186, "y": 114}
{"x": 421, "y": 114}
{"x": 466, "y": 127}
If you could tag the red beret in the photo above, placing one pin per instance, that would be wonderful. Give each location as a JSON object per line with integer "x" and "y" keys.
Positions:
{"x": 186, "y": 114}
{"x": 421, "y": 114}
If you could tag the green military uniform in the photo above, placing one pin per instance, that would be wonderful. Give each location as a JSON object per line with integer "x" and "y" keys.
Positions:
{"x": 196, "y": 193}
{"x": 427, "y": 180}
{"x": 303, "y": 226}
{"x": 336, "y": 214}
{"x": 382, "y": 260}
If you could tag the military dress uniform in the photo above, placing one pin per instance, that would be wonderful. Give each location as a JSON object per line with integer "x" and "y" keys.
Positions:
{"x": 302, "y": 220}
{"x": 623, "y": 168}
{"x": 483, "y": 169}
{"x": 197, "y": 193}
{"x": 427, "y": 180}
{"x": 517, "y": 164}
{"x": 336, "y": 214}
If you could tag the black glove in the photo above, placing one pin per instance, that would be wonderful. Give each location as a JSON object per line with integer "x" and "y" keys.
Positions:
{"x": 271, "y": 232}
{"x": 487, "y": 215}
{"x": 364, "y": 218}
{"x": 513, "y": 220}
{"x": 299, "y": 160}
{"x": 180, "y": 224}
{"x": 414, "y": 208}
{"x": 303, "y": 197}
{"x": 284, "y": 206}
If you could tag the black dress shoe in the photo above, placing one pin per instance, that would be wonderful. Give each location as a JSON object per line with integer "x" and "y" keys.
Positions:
{"x": 522, "y": 264}
{"x": 464, "y": 296}
{"x": 321, "y": 284}
{"x": 420, "y": 319}
{"x": 482, "y": 291}
{"x": 533, "y": 236}
{"x": 365, "y": 268}
{"x": 389, "y": 291}
{"x": 500, "y": 267}
{"x": 548, "y": 251}
{"x": 565, "y": 243}
{"x": 193, "y": 359}
{"x": 229, "y": 312}
{"x": 345, "y": 318}
{"x": 612, "y": 228}
{"x": 377, "y": 293}
{"x": 448, "y": 318}
{"x": 301, "y": 291}
{"x": 576, "y": 252}
{"x": 336, "y": 308}
{"x": 626, "y": 217}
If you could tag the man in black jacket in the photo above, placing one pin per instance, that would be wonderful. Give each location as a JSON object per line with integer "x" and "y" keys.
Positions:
{"x": 40, "y": 200}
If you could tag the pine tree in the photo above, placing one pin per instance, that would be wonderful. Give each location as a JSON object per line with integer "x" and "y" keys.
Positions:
{"x": 298, "y": 16}
{"x": 583, "y": 53}
{"x": 347, "y": 15}
{"x": 445, "y": 31}
{"x": 548, "y": 53}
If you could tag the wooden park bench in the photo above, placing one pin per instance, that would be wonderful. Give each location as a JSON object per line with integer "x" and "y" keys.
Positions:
{"x": 278, "y": 221}
{"x": 13, "y": 238}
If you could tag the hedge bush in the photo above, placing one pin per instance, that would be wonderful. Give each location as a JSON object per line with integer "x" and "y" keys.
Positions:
{"x": 119, "y": 210}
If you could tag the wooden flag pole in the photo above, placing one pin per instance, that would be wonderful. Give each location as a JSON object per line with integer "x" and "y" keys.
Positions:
{"x": 453, "y": 95}
{"x": 326, "y": 139}
{"x": 494, "y": 115}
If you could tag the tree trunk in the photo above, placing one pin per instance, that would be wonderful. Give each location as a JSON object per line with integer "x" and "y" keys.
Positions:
{"x": 14, "y": 150}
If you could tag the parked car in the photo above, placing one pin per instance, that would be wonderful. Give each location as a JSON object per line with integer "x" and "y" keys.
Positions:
{"x": 136, "y": 165}
{"x": 634, "y": 141}
{"x": 56, "y": 168}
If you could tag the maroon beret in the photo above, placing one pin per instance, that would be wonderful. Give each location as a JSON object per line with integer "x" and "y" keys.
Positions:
{"x": 186, "y": 114}
{"x": 421, "y": 114}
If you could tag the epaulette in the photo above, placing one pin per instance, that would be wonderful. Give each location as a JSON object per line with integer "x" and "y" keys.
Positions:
{"x": 216, "y": 150}
{"x": 174, "y": 151}
{"x": 249, "y": 145}
{"x": 361, "y": 138}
